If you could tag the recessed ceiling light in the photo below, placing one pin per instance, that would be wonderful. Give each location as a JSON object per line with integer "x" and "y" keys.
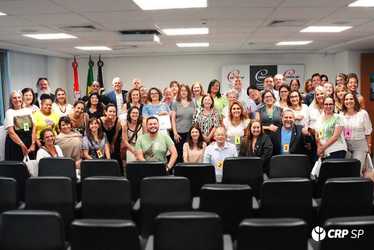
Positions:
{"x": 170, "y": 4}
{"x": 93, "y": 48}
{"x": 294, "y": 43}
{"x": 2, "y": 14}
{"x": 188, "y": 31}
{"x": 50, "y": 36}
{"x": 327, "y": 29}
{"x": 362, "y": 3}
{"x": 193, "y": 44}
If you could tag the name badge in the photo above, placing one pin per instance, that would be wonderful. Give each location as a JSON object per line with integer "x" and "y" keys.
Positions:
{"x": 220, "y": 165}
{"x": 286, "y": 148}
{"x": 347, "y": 133}
{"x": 99, "y": 154}
{"x": 26, "y": 126}
{"x": 237, "y": 139}
{"x": 320, "y": 133}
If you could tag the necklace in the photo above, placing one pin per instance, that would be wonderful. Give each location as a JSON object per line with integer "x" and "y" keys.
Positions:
{"x": 109, "y": 124}
{"x": 60, "y": 107}
{"x": 270, "y": 116}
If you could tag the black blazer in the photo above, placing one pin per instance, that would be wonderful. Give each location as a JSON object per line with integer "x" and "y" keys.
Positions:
{"x": 263, "y": 149}
{"x": 309, "y": 98}
{"x": 297, "y": 144}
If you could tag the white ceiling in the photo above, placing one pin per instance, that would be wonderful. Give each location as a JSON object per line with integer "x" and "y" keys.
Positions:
{"x": 233, "y": 25}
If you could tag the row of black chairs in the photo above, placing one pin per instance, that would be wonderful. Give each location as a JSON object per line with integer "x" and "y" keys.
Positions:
{"x": 43, "y": 230}
{"x": 110, "y": 198}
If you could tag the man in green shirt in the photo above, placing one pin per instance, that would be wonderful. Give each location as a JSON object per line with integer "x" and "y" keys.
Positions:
{"x": 153, "y": 146}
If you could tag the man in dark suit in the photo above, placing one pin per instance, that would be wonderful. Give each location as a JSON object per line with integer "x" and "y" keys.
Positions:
{"x": 42, "y": 87}
{"x": 317, "y": 81}
{"x": 95, "y": 88}
{"x": 117, "y": 96}
{"x": 290, "y": 138}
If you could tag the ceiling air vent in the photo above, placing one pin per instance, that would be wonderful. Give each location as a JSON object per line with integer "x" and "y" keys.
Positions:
{"x": 140, "y": 37}
{"x": 285, "y": 23}
{"x": 80, "y": 28}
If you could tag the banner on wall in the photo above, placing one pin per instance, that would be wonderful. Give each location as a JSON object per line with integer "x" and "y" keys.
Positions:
{"x": 259, "y": 73}
{"x": 291, "y": 72}
{"x": 228, "y": 74}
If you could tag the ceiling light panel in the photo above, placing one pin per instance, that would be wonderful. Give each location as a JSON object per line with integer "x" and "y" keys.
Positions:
{"x": 193, "y": 44}
{"x": 50, "y": 36}
{"x": 188, "y": 31}
{"x": 2, "y": 14}
{"x": 326, "y": 29}
{"x": 170, "y": 4}
{"x": 294, "y": 43}
{"x": 93, "y": 48}
{"x": 362, "y": 3}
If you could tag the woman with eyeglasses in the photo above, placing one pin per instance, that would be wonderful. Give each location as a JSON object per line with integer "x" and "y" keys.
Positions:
{"x": 155, "y": 105}
{"x": 29, "y": 99}
{"x": 329, "y": 132}
{"x": 21, "y": 130}
{"x": 61, "y": 106}
{"x": 284, "y": 90}
{"x": 78, "y": 118}
{"x": 300, "y": 110}
{"x": 269, "y": 115}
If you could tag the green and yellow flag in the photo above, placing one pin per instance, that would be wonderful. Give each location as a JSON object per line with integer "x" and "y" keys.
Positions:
{"x": 90, "y": 76}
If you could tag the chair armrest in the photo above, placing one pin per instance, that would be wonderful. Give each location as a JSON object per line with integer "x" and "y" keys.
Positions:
{"x": 255, "y": 205}
{"x": 265, "y": 177}
{"x": 22, "y": 206}
{"x": 149, "y": 245}
{"x": 313, "y": 245}
{"x": 313, "y": 177}
{"x": 315, "y": 205}
{"x": 218, "y": 178}
{"x": 227, "y": 242}
{"x": 195, "y": 203}
{"x": 136, "y": 207}
{"x": 78, "y": 207}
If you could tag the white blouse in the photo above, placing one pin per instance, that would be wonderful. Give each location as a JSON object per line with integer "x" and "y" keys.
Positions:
{"x": 359, "y": 125}
{"x": 314, "y": 114}
{"x": 304, "y": 112}
{"x": 67, "y": 108}
{"x": 232, "y": 131}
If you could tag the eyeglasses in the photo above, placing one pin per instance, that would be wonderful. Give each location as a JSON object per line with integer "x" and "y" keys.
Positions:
{"x": 268, "y": 97}
{"x": 154, "y": 93}
{"x": 328, "y": 104}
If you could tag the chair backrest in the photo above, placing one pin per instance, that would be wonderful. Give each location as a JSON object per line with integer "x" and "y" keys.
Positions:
{"x": 99, "y": 167}
{"x": 198, "y": 174}
{"x": 106, "y": 198}
{"x": 18, "y": 171}
{"x": 232, "y": 202}
{"x": 160, "y": 195}
{"x": 136, "y": 171}
{"x": 188, "y": 230}
{"x": 244, "y": 170}
{"x": 336, "y": 168}
{"x": 53, "y": 194}
{"x": 343, "y": 197}
{"x": 96, "y": 234}
{"x": 361, "y": 228}
{"x": 293, "y": 165}
{"x": 9, "y": 196}
{"x": 25, "y": 229}
{"x": 287, "y": 198}
{"x": 271, "y": 234}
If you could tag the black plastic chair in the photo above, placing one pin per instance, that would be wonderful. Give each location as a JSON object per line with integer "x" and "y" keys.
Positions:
{"x": 188, "y": 230}
{"x": 160, "y": 195}
{"x": 288, "y": 166}
{"x": 104, "y": 234}
{"x": 272, "y": 234}
{"x": 99, "y": 167}
{"x": 9, "y": 196}
{"x": 53, "y": 194}
{"x": 232, "y": 202}
{"x": 344, "y": 197}
{"x": 26, "y": 230}
{"x": 287, "y": 198}
{"x": 18, "y": 171}
{"x": 136, "y": 171}
{"x": 360, "y": 234}
{"x": 198, "y": 174}
{"x": 336, "y": 168}
{"x": 106, "y": 198}
{"x": 59, "y": 166}
{"x": 244, "y": 170}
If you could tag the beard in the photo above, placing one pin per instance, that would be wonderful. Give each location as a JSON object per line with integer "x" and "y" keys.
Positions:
{"x": 151, "y": 132}
{"x": 44, "y": 91}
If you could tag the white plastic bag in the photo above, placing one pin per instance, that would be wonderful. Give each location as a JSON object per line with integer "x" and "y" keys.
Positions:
{"x": 32, "y": 165}
{"x": 317, "y": 167}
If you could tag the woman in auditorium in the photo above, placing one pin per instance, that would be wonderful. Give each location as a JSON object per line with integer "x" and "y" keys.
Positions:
{"x": 132, "y": 129}
{"x": 69, "y": 141}
{"x": 357, "y": 132}
{"x": 300, "y": 110}
{"x": 194, "y": 148}
{"x": 21, "y": 131}
{"x": 339, "y": 94}
{"x": 329, "y": 89}
{"x": 352, "y": 86}
{"x": 29, "y": 99}
{"x": 316, "y": 108}
{"x": 269, "y": 114}
{"x": 45, "y": 118}
{"x": 329, "y": 132}
{"x": 220, "y": 101}
{"x": 257, "y": 143}
{"x": 207, "y": 118}
{"x": 197, "y": 91}
{"x": 78, "y": 119}
{"x": 111, "y": 126}
{"x": 236, "y": 123}
{"x": 48, "y": 148}
{"x": 61, "y": 106}
{"x": 232, "y": 96}
{"x": 168, "y": 97}
{"x": 155, "y": 105}
{"x": 94, "y": 106}
{"x": 284, "y": 90}
{"x": 144, "y": 95}
{"x": 95, "y": 143}
{"x": 181, "y": 118}
{"x": 341, "y": 79}
{"x": 295, "y": 84}
{"x": 132, "y": 100}
{"x": 308, "y": 86}
{"x": 174, "y": 86}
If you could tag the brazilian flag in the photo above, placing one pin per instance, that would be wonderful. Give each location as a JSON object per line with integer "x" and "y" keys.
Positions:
{"x": 90, "y": 76}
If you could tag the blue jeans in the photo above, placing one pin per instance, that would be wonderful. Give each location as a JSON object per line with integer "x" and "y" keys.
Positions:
{"x": 336, "y": 155}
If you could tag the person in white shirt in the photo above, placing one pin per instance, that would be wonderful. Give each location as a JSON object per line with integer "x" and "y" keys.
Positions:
{"x": 237, "y": 84}
{"x": 279, "y": 80}
{"x": 216, "y": 153}
{"x": 232, "y": 96}
{"x": 117, "y": 96}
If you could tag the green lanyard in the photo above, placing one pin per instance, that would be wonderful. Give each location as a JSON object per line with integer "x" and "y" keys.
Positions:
{"x": 270, "y": 116}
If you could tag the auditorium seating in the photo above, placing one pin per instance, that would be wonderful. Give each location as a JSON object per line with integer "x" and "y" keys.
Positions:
{"x": 9, "y": 196}
{"x": 18, "y": 171}
{"x": 293, "y": 165}
{"x": 99, "y": 167}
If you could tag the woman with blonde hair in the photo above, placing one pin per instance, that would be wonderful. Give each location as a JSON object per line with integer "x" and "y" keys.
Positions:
{"x": 197, "y": 91}
{"x": 339, "y": 94}
{"x": 61, "y": 106}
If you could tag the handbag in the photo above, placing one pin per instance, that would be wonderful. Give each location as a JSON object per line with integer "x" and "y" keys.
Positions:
{"x": 32, "y": 165}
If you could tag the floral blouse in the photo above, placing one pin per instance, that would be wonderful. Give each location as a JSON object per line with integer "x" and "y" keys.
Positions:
{"x": 206, "y": 122}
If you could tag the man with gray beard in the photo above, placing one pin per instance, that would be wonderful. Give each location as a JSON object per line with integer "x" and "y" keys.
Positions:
{"x": 42, "y": 87}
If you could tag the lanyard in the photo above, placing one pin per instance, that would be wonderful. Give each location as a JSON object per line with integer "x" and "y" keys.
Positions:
{"x": 267, "y": 113}
{"x": 50, "y": 152}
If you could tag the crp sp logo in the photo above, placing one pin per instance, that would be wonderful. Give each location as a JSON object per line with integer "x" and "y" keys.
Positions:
{"x": 318, "y": 233}
{"x": 290, "y": 74}
{"x": 232, "y": 74}
{"x": 261, "y": 74}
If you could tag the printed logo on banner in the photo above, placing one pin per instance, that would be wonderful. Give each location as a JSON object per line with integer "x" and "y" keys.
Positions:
{"x": 259, "y": 73}
{"x": 229, "y": 72}
{"x": 231, "y": 75}
{"x": 291, "y": 72}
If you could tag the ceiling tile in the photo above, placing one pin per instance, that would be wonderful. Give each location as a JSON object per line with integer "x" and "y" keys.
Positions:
{"x": 353, "y": 13}
{"x": 232, "y": 30}
{"x": 315, "y": 3}
{"x": 95, "y": 5}
{"x": 244, "y": 4}
{"x": 341, "y": 22}
{"x": 222, "y": 23}
{"x": 240, "y": 13}
{"x": 29, "y": 29}
{"x": 12, "y": 21}
{"x": 31, "y": 7}
{"x": 178, "y": 14}
{"x": 117, "y": 16}
{"x": 130, "y": 26}
{"x": 301, "y": 13}
{"x": 57, "y": 19}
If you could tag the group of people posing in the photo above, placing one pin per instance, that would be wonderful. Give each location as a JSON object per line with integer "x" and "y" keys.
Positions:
{"x": 185, "y": 124}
